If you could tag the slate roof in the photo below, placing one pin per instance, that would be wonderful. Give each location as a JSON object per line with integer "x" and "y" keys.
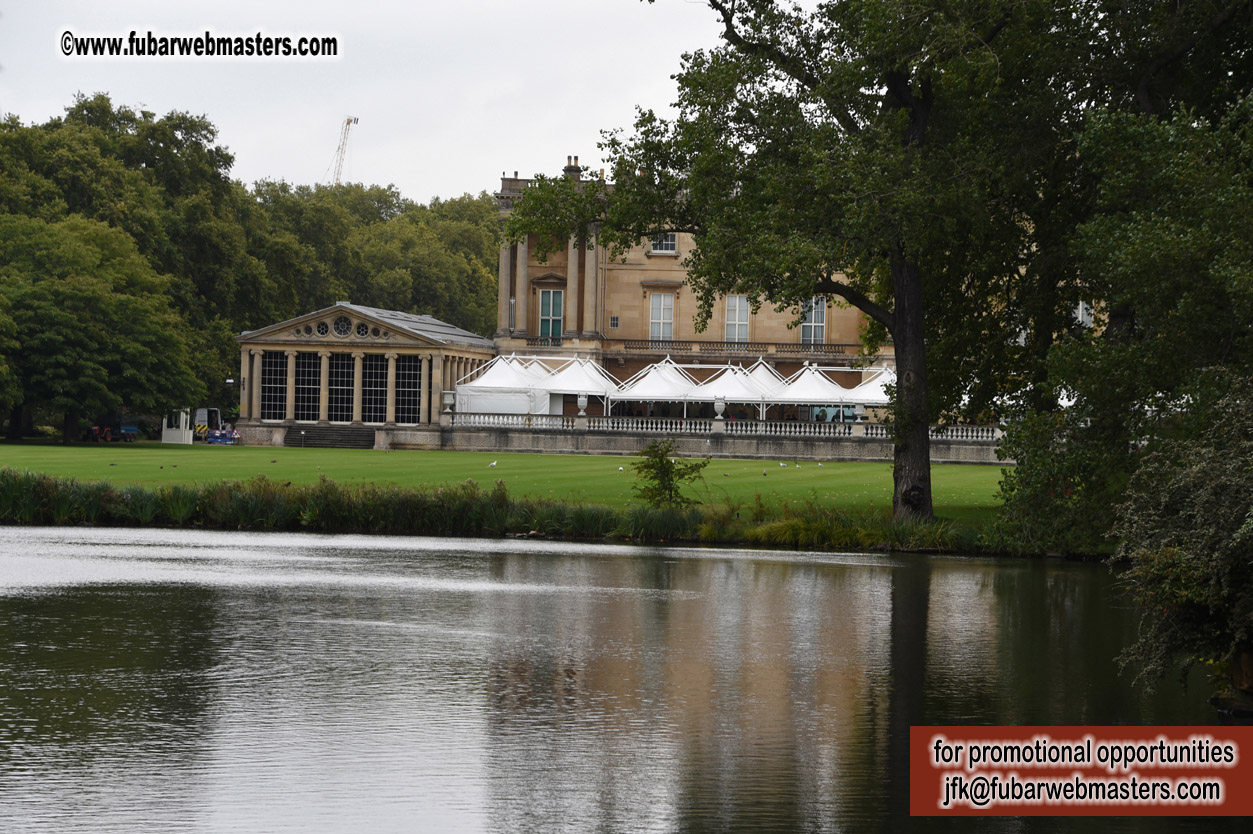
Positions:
{"x": 425, "y": 327}
{"x": 428, "y": 326}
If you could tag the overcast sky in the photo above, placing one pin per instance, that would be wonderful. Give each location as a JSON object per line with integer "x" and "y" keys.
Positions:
{"x": 448, "y": 94}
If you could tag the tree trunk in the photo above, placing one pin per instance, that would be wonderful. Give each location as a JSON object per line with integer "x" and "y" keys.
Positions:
{"x": 69, "y": 429}
{"x": 15, "y": 423}
{"x": 911, "y": 470}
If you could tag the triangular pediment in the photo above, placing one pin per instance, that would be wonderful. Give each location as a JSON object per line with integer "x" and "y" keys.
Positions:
{"x": 340, "y": 326}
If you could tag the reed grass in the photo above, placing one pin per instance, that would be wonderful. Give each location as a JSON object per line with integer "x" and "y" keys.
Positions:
{"x": 464, "y": 509}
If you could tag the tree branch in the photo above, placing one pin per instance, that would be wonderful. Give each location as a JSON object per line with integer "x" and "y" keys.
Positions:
{"x": 789, "y": 65}
{"x": 829, "y": 286}
{"x": 1178, "y": 53}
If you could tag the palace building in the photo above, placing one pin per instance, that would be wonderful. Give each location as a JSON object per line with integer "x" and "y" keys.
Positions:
{"x": 629, "y": 313}
{"x": 338, "y": 374}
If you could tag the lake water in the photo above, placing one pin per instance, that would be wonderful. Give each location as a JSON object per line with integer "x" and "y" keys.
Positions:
{"x": 174, "y": 681}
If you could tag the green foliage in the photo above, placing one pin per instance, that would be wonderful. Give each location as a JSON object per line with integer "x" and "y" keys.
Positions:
{"x": 659, "y": 523}
{"x": 660, "y": 476}
{"x": 96, "y": 329}
{"x": 1187, "y": 532}
{"x": 1169, "y": 254}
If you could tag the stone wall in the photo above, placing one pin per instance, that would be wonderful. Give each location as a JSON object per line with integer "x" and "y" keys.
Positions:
{"x": 717, "y": 445}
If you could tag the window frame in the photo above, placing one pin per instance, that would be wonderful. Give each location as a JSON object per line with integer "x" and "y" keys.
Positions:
{"x": 665, "y": 243}
{"x": 814, "y": 322}
{"x": 548, "y": 319}
{"x": 743, "y": 312}
{"x": 661, "y": 327}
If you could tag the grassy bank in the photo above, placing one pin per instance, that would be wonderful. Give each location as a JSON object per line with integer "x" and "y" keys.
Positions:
{"x": 466, "y": 509}
{"x": 965, "y": 494}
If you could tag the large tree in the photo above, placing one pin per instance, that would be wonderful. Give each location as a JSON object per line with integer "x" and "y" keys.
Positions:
{"x": 917, "y": 159}
{"x": 872, "y": 152}
{"x": 94, "y": 330}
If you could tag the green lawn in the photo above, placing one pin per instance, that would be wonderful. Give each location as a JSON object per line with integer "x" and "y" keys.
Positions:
{"x": 966, "y": 493}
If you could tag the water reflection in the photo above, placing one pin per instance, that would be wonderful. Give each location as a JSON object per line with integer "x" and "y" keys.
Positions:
{"x": 162, "y": 681}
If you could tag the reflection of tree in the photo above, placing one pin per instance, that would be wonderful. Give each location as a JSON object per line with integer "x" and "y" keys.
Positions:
{"x": 728, "y": 702}
{"x": 911, "y": 594}
{"x": 91, "y": 669}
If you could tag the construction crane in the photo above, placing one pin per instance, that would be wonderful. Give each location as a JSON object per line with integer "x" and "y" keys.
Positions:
{"x": 342, "y": 151}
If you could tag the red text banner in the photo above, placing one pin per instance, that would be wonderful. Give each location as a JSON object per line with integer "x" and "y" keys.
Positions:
{"x": 1081, "y": 771}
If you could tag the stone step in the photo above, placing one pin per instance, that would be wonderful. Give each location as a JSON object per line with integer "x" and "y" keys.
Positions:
{"x": 330, "y": 437}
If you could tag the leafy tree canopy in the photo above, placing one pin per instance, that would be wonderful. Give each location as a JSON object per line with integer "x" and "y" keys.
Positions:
{"x": 918, "y": 160}
{"x": 94, "y": 323}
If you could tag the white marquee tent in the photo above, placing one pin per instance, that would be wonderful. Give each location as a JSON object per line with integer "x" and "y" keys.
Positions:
{"x": 578, "y": 376}
{"x": 506, "y": 385}
{"x": 537, "y": 385}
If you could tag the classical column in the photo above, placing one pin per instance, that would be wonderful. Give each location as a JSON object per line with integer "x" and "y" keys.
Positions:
{"x": 522, "y": 293}
{"x": 390, "y": 416}
{"x": 357, "y": 359}
{"x": 570, "y": 309}
{"x": 290, "y": 412}
{"x": 245, "y": 383}
{"x": 424, "y": 411}
{"x": 591, "y": 291}
{"x": 256, "y": 382}
{"x": 437, "y": 387}
{"x": 324, "y": 386}
{"x": 502, "y": 292}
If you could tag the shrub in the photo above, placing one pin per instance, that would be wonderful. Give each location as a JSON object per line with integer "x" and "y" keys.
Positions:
{"x": 177, "y": 504}
{"x": 1187, "y": 532}
{"x": 660, "y": 476}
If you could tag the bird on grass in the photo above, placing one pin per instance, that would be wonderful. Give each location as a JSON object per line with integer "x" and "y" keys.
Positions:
{"x": 619, "y": 468}
{"x": 820, "y": 464}
{"x": 490, "y": 465}
{"x": 274, "y": 461}
{"x": 763, "y": 473}
{"x": 784, "y": 465}
{"x": 726, "y": 474}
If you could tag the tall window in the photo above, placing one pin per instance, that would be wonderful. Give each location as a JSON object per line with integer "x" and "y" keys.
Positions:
{"x": 273, "y": 385}
{"x": 408, "y": 388}
{"x": 373, "y": 388}
{"x": 339, "y": 389}
{"x": 737, "y": 318}
{"x": 666, "y": 243}
{"x": 814, "y": 325}
{"x": 308, "y": 385}
{"x": 661, "y": 320}
{"x": 550, "y": 315}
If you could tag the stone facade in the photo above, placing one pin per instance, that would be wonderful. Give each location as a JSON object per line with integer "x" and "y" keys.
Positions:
{"x": 632, "y": 312}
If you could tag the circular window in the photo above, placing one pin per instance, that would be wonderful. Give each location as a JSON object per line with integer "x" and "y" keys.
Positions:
{"x": 342, "y": 326}
{"x": 375, "y": 332}
{"x": 308, "y": 330}
{"x": 363, "y": 330}
{"x": 323, "y": 329}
